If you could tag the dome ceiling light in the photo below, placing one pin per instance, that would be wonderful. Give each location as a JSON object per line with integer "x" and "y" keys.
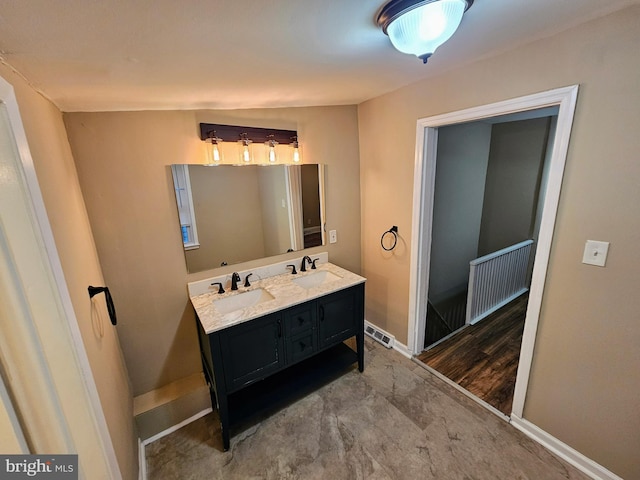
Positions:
{"x": 418, "y": 27}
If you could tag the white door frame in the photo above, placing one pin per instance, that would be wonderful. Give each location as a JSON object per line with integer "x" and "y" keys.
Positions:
{"x": 423, "y": 191}
{"x": 43, "y": 352}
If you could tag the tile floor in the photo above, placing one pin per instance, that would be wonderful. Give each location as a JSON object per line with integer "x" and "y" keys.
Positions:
{"x": 394, "y": 421}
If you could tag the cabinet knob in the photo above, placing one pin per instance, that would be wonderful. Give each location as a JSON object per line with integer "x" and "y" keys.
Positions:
{"x": 302, "y": 346}
{"x": 300, "y": 320}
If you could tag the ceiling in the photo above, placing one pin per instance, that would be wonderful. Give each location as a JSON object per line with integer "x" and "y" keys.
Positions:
{"x": 167, "y": 54}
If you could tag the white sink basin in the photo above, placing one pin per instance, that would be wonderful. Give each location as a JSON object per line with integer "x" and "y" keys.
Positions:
{"x": 316, "y": 279}
{"x": 242, "y": 300}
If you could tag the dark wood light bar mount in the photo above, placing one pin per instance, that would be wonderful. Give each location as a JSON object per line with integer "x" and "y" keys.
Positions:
{"x": 232, "y": 133}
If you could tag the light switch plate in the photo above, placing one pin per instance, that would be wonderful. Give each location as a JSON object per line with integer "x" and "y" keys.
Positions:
{"x": 595, "y": 253}
{"x": 333, "y": 236}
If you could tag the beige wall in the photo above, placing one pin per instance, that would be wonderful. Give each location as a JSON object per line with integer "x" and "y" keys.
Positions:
{"x": 463, "y": 154}
{"x": 585, "y": 378}
{"x": 516, "y": 160}
{"x": 58, "y": 181}
{"x": 122, "y": 160}
{"x": 226, "y": 203}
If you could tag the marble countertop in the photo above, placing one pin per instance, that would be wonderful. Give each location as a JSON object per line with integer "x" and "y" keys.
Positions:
{"x": 285, "y": 294}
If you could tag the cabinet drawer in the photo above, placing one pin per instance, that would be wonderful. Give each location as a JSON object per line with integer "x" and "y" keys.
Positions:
{"x": 301, "y": 346}
{"x": 300, "y": 319}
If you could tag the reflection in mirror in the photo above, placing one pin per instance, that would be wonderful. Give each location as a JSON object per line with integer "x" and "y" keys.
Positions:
{"x": 231, "y": 214}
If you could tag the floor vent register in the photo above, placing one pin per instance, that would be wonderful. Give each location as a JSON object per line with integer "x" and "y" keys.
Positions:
{"x": 379, "y": 335}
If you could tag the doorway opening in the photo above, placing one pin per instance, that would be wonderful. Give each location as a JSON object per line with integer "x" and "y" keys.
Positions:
{"x": 489, "y": 190}
{"x": 426, "y": 231}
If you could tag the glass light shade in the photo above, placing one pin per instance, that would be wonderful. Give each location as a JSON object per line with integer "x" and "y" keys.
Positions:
{"x": 296, "y": 154}
{"x": 270, "y": 150}
{"x": 214, "y": 151}
{"x": 245, "y": 150}
{"x": 422, "y": 30}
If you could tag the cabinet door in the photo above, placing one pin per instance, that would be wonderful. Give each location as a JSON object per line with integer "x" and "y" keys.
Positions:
{"x": 252, "y": 350}
{"x": 338, "y": 316}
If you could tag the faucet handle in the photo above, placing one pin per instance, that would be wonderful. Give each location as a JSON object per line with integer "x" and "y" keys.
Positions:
{"x": 220, "y": 289}
{"x": 246, "y": 280}
{"x": 313, "y": 263}
{"x": 293, "y": 271}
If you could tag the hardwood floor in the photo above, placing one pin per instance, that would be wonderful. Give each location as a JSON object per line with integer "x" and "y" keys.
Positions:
{"x": 483, "y": 358}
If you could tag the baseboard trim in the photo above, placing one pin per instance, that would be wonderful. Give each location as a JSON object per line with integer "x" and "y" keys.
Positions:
{"x": 564, "y": 451}
{"x": 178, "y": 426}
{"x": 444, "y": 339}
{"x": 162, "y": 408}
{"x": 402, "y": 348}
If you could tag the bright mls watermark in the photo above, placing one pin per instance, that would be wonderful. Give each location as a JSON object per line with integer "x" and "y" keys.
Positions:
{"x": 50, "y": 467}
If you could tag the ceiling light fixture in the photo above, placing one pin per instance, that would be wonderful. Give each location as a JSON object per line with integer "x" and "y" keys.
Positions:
{"x": 418, "y": 27}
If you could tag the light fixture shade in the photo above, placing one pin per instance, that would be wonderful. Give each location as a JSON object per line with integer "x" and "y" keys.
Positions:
{"x": 296, "y": 150}
{"x": 420, "y": 27}
{"x": 270, "y": 149}
{"x": 245, "y": 151}
{"x": 214, "y": 150}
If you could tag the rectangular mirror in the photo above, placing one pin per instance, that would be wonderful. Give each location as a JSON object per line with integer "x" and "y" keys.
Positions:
{"x": 231, "y": 214}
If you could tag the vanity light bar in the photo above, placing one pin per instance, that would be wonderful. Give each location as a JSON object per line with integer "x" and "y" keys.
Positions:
{"x": 231, "y": 133}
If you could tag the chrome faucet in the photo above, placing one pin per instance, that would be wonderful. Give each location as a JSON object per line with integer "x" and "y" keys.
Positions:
{"x": 235, "y": 278}
{"x": 305, "y": 259}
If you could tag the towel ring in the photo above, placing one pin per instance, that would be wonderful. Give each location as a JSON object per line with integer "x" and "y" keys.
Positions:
{"x": 392, "y": 231}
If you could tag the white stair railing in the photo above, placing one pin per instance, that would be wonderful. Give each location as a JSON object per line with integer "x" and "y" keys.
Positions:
{"x": 496, "y": 279}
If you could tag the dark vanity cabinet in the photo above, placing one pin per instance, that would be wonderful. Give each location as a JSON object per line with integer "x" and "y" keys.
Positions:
{"x": 241, "y": 355}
